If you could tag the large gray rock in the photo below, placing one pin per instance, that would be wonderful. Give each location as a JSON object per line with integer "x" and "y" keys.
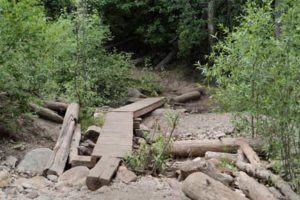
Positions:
{"x": 35, "y": 161}
{"x": 73, "y": 177}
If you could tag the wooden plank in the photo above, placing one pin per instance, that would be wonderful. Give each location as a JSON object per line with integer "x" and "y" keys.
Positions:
{"x": 142, "y": 107}
{"x": 75, "y": 144}
{"x": 116, "y": 140}
{"x": 110, "y": 170}
{"x": 102, "y": 173}
{"x": 116, "y": 136}
{"x": 83, "y": 161}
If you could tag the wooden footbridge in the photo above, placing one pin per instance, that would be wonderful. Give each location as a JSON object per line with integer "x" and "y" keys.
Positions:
{"x": 115, "y": 140}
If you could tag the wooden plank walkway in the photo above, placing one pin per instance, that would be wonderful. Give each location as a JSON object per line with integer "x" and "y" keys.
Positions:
{"x": 115, "y": 140}
{"x": 116, "y": 136}
{"x": 142, "y": 107}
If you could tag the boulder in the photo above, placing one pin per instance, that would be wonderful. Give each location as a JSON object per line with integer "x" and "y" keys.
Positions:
{"x": 35, "y": 161}
{"x": 126, "y": 175}
{"x": 73, "y": 177}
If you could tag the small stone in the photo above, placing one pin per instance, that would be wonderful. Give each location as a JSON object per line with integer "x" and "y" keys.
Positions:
{"x": 10, "y": 161}
{"x": 52, "y": 178}
{"x": 173, "y": 183}
{"x": 32, "y": 194}
{"x": 20, "y": 188}
{"x": 126, "y": 175}
{"x": 4, "y": 178}
{"x": 28, "y": 186}
{"x": 103, "y": 189}
{"x": 197, "y": 159}
{"x": 2, "y": 195}
{"x": 38, "y": 182}
{"x": 43, "y": 197}
{"x": 35, "y": 161}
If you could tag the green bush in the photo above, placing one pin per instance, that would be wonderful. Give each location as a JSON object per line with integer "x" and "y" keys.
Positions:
{"x": 258, "y": 74}
{"x": 62, "y": 59}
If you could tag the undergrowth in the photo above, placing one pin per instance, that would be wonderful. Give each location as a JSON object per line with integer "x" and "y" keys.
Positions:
{"x": 153, "y": 157}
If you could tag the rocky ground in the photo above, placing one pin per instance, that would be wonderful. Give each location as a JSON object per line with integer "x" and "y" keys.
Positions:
{"x": 22, "y": 160}
{"x": 18, "y": 179}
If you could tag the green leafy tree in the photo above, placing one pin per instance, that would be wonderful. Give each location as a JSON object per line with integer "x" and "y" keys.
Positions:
{"x": 62, "y": 59}
{"x": 258, "y": 76}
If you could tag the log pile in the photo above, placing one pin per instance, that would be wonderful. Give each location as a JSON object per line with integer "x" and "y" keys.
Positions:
{"x": 203, "y": 175}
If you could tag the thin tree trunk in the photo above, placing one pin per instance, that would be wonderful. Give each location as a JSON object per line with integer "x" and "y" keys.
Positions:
{"x": 211, "y": 18}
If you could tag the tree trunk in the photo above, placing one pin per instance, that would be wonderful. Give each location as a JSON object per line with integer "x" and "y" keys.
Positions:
{"x": 278, "y": 13}
{"x": 253, "y": 189}
{"x": 211, "y": 21}
{"x": 206, "y": 167}
{"x": 58, "y": 160}
{"x": 56, "y": 106}
{"x": 195, "y": 95}
{"x": 221, "y": 156}
{"x": 250, "y": 154}
{"x": 166, "y": 60}
{"x": 199, "y": 186}
{"x": 46, "y": 113}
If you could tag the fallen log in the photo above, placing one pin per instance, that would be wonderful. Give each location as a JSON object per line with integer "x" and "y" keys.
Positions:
{"x": 56, "y": 106}
{"x": 253, "y": 189}
{"x": 187, "y": 148}
{"x": 58, "y": 159}
{"x": 46, "y": 113}
{"x": 266, "y": 176}
{"x": 194, "y": 95}
{"x": 221, "y": 156}
{"x": 250, "y": 154}
{"x": 206, "y": 167}
{"x": 166, "y": 60}
{"x": 199, "y": 186}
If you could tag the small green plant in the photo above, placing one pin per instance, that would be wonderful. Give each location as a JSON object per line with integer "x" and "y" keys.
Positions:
{"x": 148, "y": 84}
{"x": 153, "y": 157}
{"x": 87, "y": 119}
{"x": 225, "y": 163}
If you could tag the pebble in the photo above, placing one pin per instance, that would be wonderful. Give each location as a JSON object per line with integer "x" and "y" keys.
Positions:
{"x": 10, "y": 161}
{"x": 32, "y": 194}
{"x": 52, "y": 178}
{"x": 28, "y": 186}
{"x": 4, "y": 178}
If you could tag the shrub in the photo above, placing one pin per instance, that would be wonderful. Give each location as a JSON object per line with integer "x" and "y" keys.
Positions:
{"x": 153, "y": 157}
{"x": 258, "y": 74}
{"x": 62, "y": 59}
